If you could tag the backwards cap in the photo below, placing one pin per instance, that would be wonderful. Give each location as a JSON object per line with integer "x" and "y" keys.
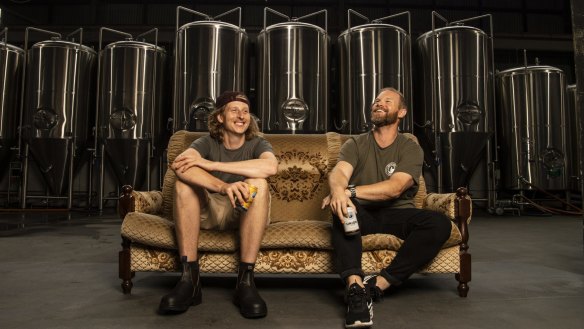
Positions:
{"x": 231, "y": 96}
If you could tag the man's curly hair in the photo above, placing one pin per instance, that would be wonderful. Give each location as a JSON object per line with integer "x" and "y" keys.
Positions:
{"x": 216, "y": 128}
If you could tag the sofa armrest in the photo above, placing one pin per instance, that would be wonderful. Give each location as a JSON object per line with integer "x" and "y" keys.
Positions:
{"x": 149, "y": 202}
{"x": 450, "y": 204}
{"x": 458, "y": 207}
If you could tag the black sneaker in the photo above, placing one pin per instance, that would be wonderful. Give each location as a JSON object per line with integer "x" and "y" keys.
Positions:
{"x": 374, "y": 291}
{"x": 359, "y": 308}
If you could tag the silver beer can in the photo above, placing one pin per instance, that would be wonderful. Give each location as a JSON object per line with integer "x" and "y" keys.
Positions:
{"x": 350, "y": 223}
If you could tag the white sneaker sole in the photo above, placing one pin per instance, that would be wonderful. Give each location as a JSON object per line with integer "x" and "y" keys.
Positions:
{"x": 359, "y": 324}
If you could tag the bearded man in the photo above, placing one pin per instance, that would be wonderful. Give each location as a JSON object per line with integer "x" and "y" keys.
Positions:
{"x": 377, "y": 174}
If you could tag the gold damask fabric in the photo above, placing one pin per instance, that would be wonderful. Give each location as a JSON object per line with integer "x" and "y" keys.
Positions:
{"x": 159, "y": 232}
{"x": 282, "y": 261}
{"x": 168, "y": 195}
{"x": 301, "y": 181}
{"x": 149, "y": 230}
{"x": 444, "y": 203}
{"x": 373, "y": 242}
{"x": 175, "y": 147}
{"x": 151, "y": 259}
{"x": 148, "y": 202}
{"x": 294, "y": 261}
{"x": 381, "y": 242}
{"x": 271, "y": 261}
{"x": 298, "y": 234}
{"x": 334, "y": 141}
{"x": 447, "y": 261}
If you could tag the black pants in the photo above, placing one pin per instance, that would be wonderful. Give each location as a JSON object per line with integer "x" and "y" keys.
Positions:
{"x": 423, "y": 231}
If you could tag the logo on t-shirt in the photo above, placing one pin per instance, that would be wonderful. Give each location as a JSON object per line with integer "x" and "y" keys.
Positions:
{"x": 390, "y": 168}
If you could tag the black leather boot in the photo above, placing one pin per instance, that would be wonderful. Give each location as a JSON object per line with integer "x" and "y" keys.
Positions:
{"x": 187, "y": 291}
{"x": 247, "y": 298}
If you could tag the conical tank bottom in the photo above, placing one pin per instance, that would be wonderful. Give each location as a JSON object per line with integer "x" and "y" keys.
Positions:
{"x": 128, "y": 159}
{"x": 52, "y": 158}
{"x": 461, "y": 152}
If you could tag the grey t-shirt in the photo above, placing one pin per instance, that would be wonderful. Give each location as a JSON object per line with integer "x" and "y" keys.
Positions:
{"x": 373, "y": 164}
{"x": 212, "y": 150}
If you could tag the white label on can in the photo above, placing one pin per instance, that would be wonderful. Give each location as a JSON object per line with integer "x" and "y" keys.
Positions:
{"x": 351, "y": 224}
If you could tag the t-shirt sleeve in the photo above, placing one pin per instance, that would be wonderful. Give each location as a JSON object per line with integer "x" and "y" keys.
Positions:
{"x": 349, "y": 152}
{"x": 202, "y": 145}
{"x": 411, "y": 159}
{"x": 261, "y": 147}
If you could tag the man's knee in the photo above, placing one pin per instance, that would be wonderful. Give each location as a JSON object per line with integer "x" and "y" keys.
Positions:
{"x": 180, "y": 187}
{"x": 185, "y": 190}
{"x": 261, "y": 184}
{"x": 444, "y": 225}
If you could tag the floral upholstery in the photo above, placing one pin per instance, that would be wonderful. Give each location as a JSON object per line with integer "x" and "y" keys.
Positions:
{"x": 148, "y": 202}
{"x": 298, "y": 237}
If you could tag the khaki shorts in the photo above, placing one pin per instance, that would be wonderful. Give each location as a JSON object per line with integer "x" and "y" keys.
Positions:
{"x": 219, "y": 214}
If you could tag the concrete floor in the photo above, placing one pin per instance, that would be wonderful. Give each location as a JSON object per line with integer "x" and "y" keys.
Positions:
{"x": 59, "y": 270}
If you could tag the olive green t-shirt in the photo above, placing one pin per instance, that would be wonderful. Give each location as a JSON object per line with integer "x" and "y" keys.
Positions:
{"x": 212, "y": 150}
{"x": 373, "y": 164}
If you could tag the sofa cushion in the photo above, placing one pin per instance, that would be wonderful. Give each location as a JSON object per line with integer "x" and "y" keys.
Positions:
{"x": 156, "y": 231}
{"x": 298, "y": 234}
{"x": 391, "y": 242}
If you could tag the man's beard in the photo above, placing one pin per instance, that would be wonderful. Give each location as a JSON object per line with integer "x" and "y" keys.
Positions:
{"x": 386, "y": 120}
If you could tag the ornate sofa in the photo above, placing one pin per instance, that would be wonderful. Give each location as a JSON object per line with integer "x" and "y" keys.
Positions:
{"x": 298, "y": 237}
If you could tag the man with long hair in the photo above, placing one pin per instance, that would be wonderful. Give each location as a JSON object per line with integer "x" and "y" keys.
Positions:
{"x": 213, "y": 175}
{"x": 377, "y": 174}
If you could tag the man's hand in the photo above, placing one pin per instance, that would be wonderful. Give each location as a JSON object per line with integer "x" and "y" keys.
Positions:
{"x": 191, "y": 158}
{"x": 338, "y": 203}
{"x": 183, "y": 161}
{"x": 235, "y": 191}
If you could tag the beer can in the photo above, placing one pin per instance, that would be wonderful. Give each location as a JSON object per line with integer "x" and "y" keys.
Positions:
{"x": 350, "y": 223}
{"x": 253, "y": 190}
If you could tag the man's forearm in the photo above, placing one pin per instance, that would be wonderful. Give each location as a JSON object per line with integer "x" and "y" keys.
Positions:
{"x": 200, "y": 177}
{"x": 337, "y": 182}
{"x": 255, "y": 168}
{"x": 385, "y": 190}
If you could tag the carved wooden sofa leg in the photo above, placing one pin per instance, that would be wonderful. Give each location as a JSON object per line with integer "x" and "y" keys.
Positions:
{"x": 124, "y": 267}
{"x": 125, "y": 205}
{"x": 463, "y": 208}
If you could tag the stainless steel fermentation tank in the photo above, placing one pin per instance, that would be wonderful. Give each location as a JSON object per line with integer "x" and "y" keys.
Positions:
{"x": 371, "y": 57}
{"x": 574, "y": 147}
{"x": 58, "y": 94}
{"x": 11, "y": 62}
{"x": 130, "y": 116}
{"x": 210, "y": 58}
{"x": 455, "y": 114}
{"x": 293, "y": 76}
{"x": 531, "y": 106}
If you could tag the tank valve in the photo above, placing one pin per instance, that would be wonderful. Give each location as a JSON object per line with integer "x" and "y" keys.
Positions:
{"x": 295, "y": 111}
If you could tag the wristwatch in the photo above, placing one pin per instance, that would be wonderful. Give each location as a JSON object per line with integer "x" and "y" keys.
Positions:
{"x": 353, "y": 191}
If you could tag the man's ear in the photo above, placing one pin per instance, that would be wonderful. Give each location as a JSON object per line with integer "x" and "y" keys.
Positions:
{"x": 402, "y": 113}
{"x": 220, "y": 117}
